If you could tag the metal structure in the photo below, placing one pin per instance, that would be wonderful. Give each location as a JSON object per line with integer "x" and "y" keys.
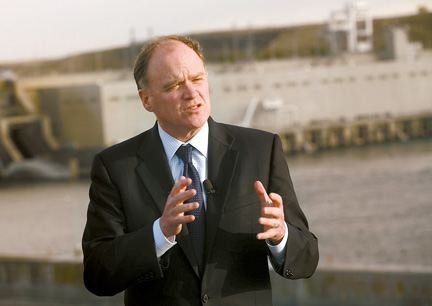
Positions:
{"x": 355, "y": 23}
{"x": 25, "y": 136}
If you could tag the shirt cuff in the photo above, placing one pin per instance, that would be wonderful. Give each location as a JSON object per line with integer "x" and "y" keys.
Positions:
{"x": 161, "y": 242}
{"x": 278, "y": 251}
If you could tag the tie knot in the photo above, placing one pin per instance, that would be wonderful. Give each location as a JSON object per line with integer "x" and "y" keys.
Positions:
{"x": 185, "y": 153}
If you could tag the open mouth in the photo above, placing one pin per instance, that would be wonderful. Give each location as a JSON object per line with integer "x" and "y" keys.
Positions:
{"x": 193, "y": 107}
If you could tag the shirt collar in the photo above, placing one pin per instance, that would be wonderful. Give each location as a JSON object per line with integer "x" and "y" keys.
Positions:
{"x": 171, "y": 144}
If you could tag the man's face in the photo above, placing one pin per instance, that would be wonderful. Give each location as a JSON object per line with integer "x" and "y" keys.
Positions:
{"x": 178, "y": 90}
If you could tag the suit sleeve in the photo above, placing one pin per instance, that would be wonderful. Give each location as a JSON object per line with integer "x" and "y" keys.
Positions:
{"x": 302, "y": 254}
{"x": 113, "y": 259}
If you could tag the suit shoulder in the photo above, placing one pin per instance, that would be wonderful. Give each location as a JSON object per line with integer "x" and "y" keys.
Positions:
{"x": 126, "y": 148}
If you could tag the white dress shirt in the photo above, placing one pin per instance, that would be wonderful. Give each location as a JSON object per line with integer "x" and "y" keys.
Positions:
{"x": 199, "y": 160}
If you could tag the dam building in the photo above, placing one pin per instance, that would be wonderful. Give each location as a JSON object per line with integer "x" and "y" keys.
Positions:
{"x": 352, "y": 99}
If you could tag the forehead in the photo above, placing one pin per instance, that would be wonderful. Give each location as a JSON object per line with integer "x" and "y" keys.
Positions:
{"x": 174, "y": 55}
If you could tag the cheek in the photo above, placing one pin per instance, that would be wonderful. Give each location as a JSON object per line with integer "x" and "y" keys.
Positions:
{"x": 168, "y": 104}
{"x": 207, "y": 98}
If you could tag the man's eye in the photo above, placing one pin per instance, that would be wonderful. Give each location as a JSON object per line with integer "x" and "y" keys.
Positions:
{"x": 172, "y": 87}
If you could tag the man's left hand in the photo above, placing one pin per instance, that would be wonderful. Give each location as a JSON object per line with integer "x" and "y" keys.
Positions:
{"x": 272, "y": 215}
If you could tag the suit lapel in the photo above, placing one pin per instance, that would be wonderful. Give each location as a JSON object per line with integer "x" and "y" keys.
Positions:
{"x": 222, "y": 160}
{"x": 154, "y": 169}
{"x": 156, "y": 175}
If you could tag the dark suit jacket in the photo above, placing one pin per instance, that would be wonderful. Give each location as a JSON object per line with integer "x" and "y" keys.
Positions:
{"x": 130, "y": 185}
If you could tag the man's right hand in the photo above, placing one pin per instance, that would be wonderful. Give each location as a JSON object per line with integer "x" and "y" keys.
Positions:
{"x": 173, "y": 216}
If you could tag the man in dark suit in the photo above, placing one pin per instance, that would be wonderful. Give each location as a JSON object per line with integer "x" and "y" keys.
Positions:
{"x": 139, "y": 235}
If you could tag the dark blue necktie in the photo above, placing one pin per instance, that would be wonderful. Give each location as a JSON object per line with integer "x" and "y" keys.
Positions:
{"x": 197, "y": 227}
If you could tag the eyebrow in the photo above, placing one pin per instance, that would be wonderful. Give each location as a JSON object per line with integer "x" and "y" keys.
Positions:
{"x": 179, "y": 81}
{"x": 173, "y": 83}
{"x": 199, "y": 74}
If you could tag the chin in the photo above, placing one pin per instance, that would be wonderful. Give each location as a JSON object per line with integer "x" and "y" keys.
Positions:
{"x": 199, "y": 120}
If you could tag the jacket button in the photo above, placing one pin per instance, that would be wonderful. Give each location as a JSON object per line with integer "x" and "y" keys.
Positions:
{"x": 289, "y": 274}
{"x": 205, "y": 298}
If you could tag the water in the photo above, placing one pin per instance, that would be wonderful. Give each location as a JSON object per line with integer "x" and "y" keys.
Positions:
{"x": 368, "y": 206}
{"x": 44, "y": 219}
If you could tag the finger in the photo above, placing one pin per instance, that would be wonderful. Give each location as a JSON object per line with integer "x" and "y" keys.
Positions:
{"x": 183, "y": 219}
{"x": 180, "y": 185}
{"x": 262, "y": 193}
{"x": 269, "y": 234}
{"x": 181, "y": 197}
{"x": 181, "y": 209}
{"x": 271, "y": 212}
{"x": 269, "y": 222}
{"x": 276, "y": 199}
{"x": 174, "y": 217}
{"x": 179, "y": 193}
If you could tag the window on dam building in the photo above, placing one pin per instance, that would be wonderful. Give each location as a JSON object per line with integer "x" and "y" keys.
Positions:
{"x": 335, "y": 80}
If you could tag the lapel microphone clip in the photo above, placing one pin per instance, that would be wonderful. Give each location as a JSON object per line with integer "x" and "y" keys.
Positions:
{"x": 210, "y": 189}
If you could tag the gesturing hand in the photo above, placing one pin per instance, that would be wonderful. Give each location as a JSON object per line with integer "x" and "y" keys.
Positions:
{"x": 272, "y": 215}
{"x": 173, "y": 216}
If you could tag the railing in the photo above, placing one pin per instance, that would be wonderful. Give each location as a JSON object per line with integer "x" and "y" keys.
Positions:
{"x": 328, "y": 135}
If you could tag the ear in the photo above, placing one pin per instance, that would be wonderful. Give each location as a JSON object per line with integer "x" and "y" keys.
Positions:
{"x": 145, "y": 100}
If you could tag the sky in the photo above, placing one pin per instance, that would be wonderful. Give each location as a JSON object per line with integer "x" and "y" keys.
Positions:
{"x": 44, "y": 29}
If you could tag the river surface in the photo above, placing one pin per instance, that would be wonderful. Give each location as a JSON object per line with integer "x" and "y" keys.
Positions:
{"x": 367, "y": 206}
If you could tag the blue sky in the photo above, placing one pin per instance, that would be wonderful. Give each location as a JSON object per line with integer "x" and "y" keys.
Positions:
{"x": 42, "y": 29}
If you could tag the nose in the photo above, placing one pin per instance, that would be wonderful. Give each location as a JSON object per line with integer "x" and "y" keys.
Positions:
{"x": 190, "y": 92}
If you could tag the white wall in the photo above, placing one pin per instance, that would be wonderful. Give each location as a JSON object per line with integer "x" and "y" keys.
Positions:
{"x": 328, "y": 92}
{"x": 123, "y": 114}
